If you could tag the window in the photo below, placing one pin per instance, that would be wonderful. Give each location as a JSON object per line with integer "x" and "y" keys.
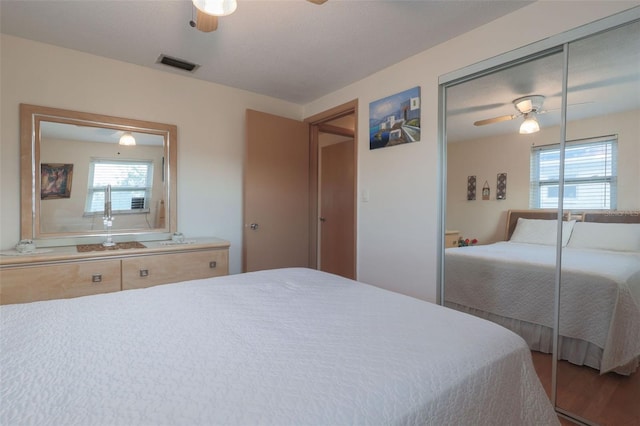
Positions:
{"x": 130, "y": 180}
{"x": 590, "y": 174}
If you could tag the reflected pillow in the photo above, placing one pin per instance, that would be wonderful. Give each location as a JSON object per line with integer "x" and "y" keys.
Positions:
{"x": 606, "y": 236}
{"x": 541, "y": 231}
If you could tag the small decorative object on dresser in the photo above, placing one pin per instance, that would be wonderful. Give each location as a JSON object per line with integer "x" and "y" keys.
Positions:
{"x": 464, "y": 242}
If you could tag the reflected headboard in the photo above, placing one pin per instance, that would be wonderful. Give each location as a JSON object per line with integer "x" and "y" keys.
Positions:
{"x": 622, "y": 216}
{"x": 602, "y": 216}
{"x": 514, "y": 215}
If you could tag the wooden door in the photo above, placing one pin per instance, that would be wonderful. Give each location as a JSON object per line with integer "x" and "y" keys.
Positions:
{"x": 337, "y": 209}
{"x": 276, "y": 193}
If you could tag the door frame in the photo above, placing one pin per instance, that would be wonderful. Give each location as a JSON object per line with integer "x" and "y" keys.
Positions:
{"x": 316, "y": 123}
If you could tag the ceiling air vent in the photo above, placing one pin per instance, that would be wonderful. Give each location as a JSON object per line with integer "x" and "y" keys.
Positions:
{"x": 177, "y": 63}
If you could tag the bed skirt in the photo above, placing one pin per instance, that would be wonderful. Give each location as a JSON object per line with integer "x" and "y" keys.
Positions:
{"x": 540, "y": 338}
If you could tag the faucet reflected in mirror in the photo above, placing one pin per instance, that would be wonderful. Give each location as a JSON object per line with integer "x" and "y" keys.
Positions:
{"x": 108, "y": 218}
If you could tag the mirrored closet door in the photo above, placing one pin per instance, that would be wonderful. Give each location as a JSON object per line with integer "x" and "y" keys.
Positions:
{"x": 597, "y": 376}
{"x": 488, "y": 179}
{"x": 540, "y": 159}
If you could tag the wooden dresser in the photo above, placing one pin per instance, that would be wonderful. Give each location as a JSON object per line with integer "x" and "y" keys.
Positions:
{"x": 63, "y": 272}
{"x": 451, "y": 239}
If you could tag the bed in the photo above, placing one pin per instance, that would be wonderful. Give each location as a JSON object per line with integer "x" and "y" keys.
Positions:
{"x": 282, "y": 347}
{"x": 512, "y": 283}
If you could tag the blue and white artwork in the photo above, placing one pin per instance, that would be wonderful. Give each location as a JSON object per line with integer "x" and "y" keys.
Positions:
{"x": 395, "y": 120}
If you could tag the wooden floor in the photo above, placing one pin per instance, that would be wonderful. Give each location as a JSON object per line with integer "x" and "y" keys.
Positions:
{"x": 608, "y": 400}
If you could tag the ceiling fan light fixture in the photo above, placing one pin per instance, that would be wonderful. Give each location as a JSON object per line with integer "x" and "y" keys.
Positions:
{"x": 127, "y": 139}
{"x": 529, "y": 125}
{"x": 216, "y": 7}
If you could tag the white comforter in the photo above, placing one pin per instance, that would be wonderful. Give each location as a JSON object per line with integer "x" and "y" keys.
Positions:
{"x": 281, "y": 347}
{"x": 600, "y": 292}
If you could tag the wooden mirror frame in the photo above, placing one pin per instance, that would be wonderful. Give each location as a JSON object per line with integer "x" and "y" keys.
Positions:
{"x": 30, "y": 118}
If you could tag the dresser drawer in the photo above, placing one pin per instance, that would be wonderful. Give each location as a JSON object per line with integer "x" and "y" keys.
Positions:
{"x": 147, "y": 271}
{"x": 32, "y": 283}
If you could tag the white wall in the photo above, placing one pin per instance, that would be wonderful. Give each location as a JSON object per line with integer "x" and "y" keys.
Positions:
{"x": 397, "y": 227}
{"x": 210, "y": 120}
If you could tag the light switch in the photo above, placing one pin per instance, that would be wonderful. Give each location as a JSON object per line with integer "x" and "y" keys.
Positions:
{"x": 364, "y": 196}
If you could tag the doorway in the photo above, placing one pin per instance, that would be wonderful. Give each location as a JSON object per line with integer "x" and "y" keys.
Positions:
{"x": 336, "y": 200}
{"x": 333, "y": 190}
{"x": 281, "y": 192}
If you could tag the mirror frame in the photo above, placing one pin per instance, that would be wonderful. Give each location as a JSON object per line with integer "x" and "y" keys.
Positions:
{"x": 30, "y": 118}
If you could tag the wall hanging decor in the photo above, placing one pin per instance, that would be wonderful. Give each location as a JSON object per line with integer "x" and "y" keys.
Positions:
{"x": 486, "y": 192}
{"x": 55, "y": 180}
{"x": 471, "y": 188}
{"x": 395, "y": 120}
{"x": 501, "y": 187}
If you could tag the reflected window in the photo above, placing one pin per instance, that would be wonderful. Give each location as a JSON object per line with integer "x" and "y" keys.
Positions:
{"x": 131, "y": 184}
{"x": 590, "y": 175}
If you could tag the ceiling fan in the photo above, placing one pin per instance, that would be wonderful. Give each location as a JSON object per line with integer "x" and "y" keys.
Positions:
{"x": 527, "y": 107}
{"x": 208, "y": 11}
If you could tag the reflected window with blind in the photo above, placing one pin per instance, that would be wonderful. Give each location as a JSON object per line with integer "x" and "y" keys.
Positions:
{"x": 590, "y": 180}
{"x": 131, "y": 184}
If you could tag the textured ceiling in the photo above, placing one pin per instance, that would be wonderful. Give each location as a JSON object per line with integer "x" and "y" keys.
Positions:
{"x": 292, "y": 50}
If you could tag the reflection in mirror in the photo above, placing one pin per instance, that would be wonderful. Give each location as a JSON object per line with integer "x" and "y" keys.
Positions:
{"x": 495, "y": 278}
{"x": 598, "y": 380}
{"x": 74, "y": 163}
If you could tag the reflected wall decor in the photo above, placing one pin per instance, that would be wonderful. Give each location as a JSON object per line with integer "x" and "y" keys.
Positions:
{"x": 471, "y": 188}
{"x": 55, "y": 181}
{"x": 501, "y": 187}
{"x": 395, "y": 120}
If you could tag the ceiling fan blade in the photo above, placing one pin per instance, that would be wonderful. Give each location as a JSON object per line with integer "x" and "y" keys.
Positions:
{"x": 206, "y": 23}
{"x": 317, "y": 1}
{"x": 494, "y": 120}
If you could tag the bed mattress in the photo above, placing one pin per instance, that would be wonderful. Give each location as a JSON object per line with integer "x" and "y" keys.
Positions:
{"x": 280, "y": 347}
{"x": 600, "y": 292}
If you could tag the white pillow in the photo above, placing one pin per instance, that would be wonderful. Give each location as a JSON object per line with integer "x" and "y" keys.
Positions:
{"x": 606, "y": 236}
{"x": 541, "y": 231}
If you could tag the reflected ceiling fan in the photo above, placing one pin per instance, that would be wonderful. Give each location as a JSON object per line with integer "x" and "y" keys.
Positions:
{"x": 526, "y": 106}
{"x": 208, "y": 11}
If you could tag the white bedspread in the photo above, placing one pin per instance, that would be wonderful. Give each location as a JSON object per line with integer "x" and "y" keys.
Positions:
{"x": 281, "y": 347}
{"x": 600, "y": 292}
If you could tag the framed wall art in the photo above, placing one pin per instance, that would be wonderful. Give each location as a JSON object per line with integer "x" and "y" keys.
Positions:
{"x": 395, "y": 120}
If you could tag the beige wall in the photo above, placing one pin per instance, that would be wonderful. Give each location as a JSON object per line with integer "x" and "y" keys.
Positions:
{"x": 485, "y": 158}
{"x": 397, "y": 227}
{"x": 210, "y": 120}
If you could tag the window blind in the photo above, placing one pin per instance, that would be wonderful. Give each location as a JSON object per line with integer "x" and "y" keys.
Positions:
{"x": 130, "y": 180}
{"x": 590, "y": 175}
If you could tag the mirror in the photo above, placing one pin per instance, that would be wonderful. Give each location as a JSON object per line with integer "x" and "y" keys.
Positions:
{"x": 483, "y": 278}
{"x": 73, "y": 162}
{"x": 597, "y": 375}
{"x": 594, "y": 377}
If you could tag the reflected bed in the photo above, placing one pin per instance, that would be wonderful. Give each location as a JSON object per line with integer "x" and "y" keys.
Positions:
{"x": 287, "y": 346}
{"x": 512, "y": 283}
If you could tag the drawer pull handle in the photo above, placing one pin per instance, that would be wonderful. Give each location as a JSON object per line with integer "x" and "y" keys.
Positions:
{"x": 213, "y": 264}
{"x": 96, "y": 278}
{"x": 144, "y": 272}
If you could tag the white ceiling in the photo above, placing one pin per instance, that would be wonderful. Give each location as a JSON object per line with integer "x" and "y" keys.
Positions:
{"x": 292, "y": 50}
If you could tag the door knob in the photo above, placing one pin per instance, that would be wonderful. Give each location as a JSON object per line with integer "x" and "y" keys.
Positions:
{"x": 323, "y": 219}
{"x": 254, "y": 226}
